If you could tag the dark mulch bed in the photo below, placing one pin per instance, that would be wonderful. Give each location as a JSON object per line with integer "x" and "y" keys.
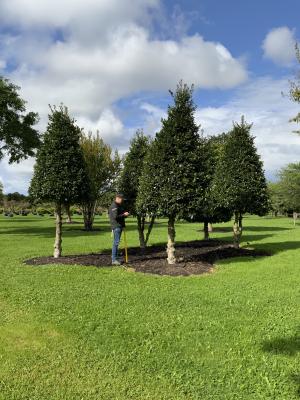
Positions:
{"x": 194, "y": 258}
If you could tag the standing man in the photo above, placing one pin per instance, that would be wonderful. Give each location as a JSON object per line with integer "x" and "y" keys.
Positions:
{"x": 117, "y": 216}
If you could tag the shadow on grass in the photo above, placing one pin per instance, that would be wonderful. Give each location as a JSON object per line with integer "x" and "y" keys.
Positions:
{"x": 220, "y": 229}
{"x": 277, "y": 247}
{"x": 68, "y": 230}
{"x": 289, "y": 346}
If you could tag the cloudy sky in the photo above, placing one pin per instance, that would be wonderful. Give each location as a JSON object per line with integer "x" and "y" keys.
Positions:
{"x": 112, "y": 63}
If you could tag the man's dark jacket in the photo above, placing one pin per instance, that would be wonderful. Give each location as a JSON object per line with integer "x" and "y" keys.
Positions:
{"x": 116, "y": 217}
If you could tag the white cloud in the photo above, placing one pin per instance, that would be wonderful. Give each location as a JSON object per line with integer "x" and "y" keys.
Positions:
{"x": 119, "y": 58}
{"x": 279, "y": 46}
{"x": 108, "y": 124}
{"x": 90, "y": 54}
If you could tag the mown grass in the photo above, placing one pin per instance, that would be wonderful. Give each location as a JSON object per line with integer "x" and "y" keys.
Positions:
{"x": 73, "y": 332}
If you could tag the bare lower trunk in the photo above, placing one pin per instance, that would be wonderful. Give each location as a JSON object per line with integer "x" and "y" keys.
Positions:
{"x": 69, "y": 216}
{"x": 206, "y": 231}
{"x": 58, "y": 233}
{"x": 88, "y": 210}
{"x": 210, "y": 227}
{"x": 150, "y": 227}
{"x": 141, "y": 229}
{"x": 171, "y": 241}
{"x": 237, "y": 229}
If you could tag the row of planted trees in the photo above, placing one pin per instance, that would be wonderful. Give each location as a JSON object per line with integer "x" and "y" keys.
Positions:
{"x": 183, "y": 175}
{"x": 178, "y": 175}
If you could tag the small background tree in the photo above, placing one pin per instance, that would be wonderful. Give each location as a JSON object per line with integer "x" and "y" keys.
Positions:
{"x": 130, "y": 180}
{"x": 239, "y": 183}
{"x": 289, "y": 187}
{"x": 172, "y": 179}
{"x": 17, "y": 136}
{"x": 60, "y": 173}
{"x": 102, "y": 167}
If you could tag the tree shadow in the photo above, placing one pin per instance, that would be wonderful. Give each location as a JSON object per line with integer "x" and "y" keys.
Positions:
{"x": 289, "y": 346}
{"x": 277, "y": 247}
{"x": 225, "y": 229}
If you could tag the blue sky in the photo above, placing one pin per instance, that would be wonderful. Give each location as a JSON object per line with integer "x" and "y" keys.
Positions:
{"x": 112, "y": 63}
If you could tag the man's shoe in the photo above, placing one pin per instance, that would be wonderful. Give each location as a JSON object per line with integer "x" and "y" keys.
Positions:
{"x": 116, "y": 262}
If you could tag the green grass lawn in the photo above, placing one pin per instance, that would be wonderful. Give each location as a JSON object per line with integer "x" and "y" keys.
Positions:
{"x": 73, "y": 332}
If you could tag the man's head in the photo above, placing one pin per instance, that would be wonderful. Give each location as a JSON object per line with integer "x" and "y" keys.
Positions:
{"x": 119, "y": 198}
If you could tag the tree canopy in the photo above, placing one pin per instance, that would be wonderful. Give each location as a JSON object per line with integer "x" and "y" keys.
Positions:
{"x": 129, "y": 181}
{"x": 102, "y": 168}
{"x": 239, "y": 183}
{"x": 289, "y": 186}
{"x": 173, "y": 178}
{"x": 60, "y": 174}
{"x": 18, "y": 137}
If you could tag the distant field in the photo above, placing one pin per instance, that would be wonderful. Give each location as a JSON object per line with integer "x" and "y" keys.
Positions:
{"x": 77, "y": 333}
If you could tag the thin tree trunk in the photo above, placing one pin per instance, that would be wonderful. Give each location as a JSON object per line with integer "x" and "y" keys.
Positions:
{"x": 69, "y": 216}
{"x": 210, "y": 227}
{"x": 150, "y": 227}
{"x": 171, "y": 241}
{"x": 237, "y": 229}
{"x": 58, "y": 233}
{"x": 88, "y": 210}
{"x": 141, "y": 227}
{"x": 206, "y": 231}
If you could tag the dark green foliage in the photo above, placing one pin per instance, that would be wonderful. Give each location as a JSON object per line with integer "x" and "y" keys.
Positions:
{"x": 210, "y": 210}
{"x": 173, "y": 177}
{"x": 130, "y": 180}
{"x": 60, "y": 174}
{"x": 289, "y": 186}
{"x": 239, "y": 182}
{"x": 16, "y": 196}
{"x": 17, "y": 136}
{"x": 132, "y": 169}
{"x": 278, "y": 202}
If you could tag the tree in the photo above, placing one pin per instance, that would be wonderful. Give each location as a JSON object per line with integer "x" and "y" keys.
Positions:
{"x": 239, "y": 183}
{"x": 130, "y": 180}
{"x": 278, "y": 202}
{"x": 1, "y": 193}
{"x": 16, "y": 196}
{"x": 289, "y": 186}
{"x": 173, "y": 175}
{"x": 102, "y": 167}
{"x": 60, "y": 173}
{"x": 209, "y": 210}
{"x": 18, "y": 138}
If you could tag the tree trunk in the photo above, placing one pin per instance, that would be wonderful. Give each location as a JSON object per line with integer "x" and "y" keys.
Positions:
{"x": 237, "y": 229}
{"x": 150, "y": 227}
{"x": 210, "y": 227}
{"x": 58, "y": 233}
{"x": 206, "y": 231}
{"x": 69, "y": 216}
{"x": 141, "y": 230}
{"x": 171, "y": 241}
{"x": 88, "y": 211}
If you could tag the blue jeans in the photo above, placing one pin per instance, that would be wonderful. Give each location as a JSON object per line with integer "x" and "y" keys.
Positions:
{"x": 117, "y": 232}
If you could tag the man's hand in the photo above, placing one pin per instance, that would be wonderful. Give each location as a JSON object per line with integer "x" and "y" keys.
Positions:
{"x": 126, "y": 213}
